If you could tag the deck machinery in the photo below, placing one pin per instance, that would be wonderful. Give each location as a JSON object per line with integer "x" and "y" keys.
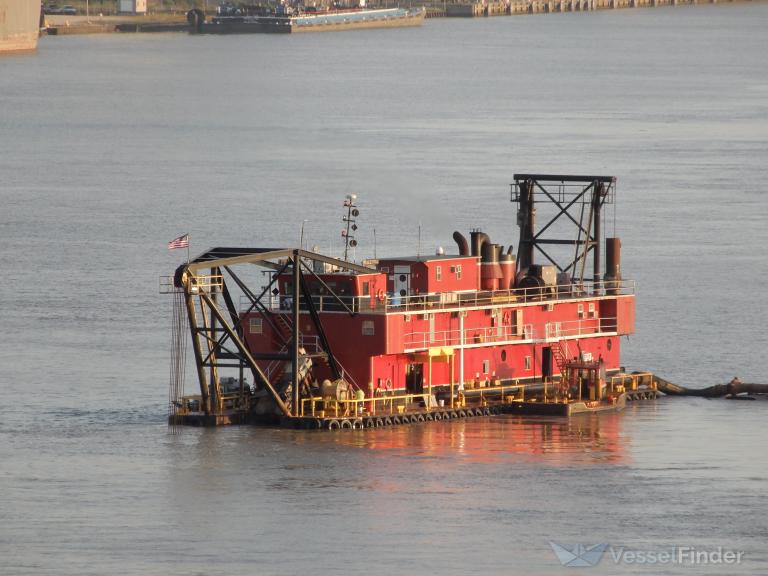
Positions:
{"x": 331, "y": 343}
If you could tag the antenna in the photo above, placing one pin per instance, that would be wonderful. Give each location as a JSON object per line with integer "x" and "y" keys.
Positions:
{"x": 301, "y": 236}
{"x": 350, "y": 219}
{"x": 418, "y": 246}
{"x": 374, "y": 243}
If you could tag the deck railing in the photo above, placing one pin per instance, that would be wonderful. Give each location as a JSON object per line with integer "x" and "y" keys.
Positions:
{"x": 504, "y": 333}
{"x": 451, "y": 300}
{"x": 403, "y": 403}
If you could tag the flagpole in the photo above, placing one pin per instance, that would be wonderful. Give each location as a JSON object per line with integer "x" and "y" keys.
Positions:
{"x": 188, "y": 239}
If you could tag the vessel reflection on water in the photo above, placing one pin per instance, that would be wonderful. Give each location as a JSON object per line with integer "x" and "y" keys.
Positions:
{"x": 582, "y": 440}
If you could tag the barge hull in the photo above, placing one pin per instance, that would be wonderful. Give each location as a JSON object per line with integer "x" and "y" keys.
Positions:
{"x": 388, "y": 18}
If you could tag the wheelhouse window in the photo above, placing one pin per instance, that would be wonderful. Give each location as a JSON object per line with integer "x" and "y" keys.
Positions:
{"x": 255, "y": 325}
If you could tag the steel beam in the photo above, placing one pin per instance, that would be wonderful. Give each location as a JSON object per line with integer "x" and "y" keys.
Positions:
{"x": 247, "y": 355}
{"x": 264, "y": 257}
{"x": 296, "y": 329}
{"x": 597, "y": 198}
{"x": 192, "y": 316}
{"x": 565, "y": 178}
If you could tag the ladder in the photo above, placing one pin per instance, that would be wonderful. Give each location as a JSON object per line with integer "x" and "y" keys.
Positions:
{"x": 561, "y": 355}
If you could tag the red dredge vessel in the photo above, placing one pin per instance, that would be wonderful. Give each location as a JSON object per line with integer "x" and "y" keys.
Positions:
{"x": 330, "y": 343}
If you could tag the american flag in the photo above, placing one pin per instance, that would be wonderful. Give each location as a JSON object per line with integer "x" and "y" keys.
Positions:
{"x": 180, "y": 242}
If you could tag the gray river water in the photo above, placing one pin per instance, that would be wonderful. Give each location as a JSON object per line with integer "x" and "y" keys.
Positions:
{"x": 110, "y": 146}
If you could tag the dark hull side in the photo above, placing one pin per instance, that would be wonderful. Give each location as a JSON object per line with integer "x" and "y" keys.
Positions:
{"x": 562, "y": 409}
{"x": 290, "y": 25}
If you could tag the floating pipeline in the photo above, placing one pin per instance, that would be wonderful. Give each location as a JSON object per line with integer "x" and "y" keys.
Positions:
{"x": 732, "y": 390}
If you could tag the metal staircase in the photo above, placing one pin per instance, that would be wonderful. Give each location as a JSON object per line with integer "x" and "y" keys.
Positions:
{"x": 560, "y": 355}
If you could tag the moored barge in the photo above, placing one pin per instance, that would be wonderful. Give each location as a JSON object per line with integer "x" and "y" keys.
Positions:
{"x": 330, "y": 343}
{"x": 321, "y": 21}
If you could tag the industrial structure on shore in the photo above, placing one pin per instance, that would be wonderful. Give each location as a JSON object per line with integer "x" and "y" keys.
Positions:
{"x": 19, "y": 25}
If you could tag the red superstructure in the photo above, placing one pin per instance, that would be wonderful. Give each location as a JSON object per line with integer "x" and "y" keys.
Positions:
{"x": 431, "y": 325}
{"x": 421, "y": 320}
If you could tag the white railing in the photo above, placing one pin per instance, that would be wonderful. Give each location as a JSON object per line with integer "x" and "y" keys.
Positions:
{"x": 197, "y": 284}
{"x": 482, "y": 298}
{"x": 326, "y": 303}
{"x": 449, "y": 300}
{"x": 490, "y": 334}
{"x": 166, "y": 285}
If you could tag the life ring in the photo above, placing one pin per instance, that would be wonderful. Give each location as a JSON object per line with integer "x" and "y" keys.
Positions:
{"x": 381, "y": 296}
{"x": 388, "y": 384}
{"x": 506, "y": 318}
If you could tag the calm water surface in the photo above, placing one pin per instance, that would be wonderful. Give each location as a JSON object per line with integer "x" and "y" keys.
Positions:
{"x": 110, "y": 146}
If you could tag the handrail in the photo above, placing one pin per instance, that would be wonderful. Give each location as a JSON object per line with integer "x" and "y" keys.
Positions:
{"x": 197, "y": 283}
{"x": 390, "y": 405}
{"x": 479, "y": 298}
{"x": 381, "y": 303}
{"x": 635, "y": 380}
{"x": 355, "y": 403}
{"x": 484, "y": 334}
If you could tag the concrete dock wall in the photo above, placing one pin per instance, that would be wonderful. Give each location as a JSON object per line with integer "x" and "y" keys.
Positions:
{"x": 511, "y": 7}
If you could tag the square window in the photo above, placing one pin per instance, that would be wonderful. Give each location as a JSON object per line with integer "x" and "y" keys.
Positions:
{"x": 591, "y": 309}
{"x": 458, "y": 272}
{"x": 368, "y": 328}
{"x": 581, "y": 310}
{"x": 486, "y": 366}
{"x": 255, "y": 325}
{"x": 439, "y": 273}
{"x": 366, "y": 288}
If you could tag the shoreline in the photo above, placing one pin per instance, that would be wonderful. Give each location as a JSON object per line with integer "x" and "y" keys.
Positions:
{"x": 56, "y": 25}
